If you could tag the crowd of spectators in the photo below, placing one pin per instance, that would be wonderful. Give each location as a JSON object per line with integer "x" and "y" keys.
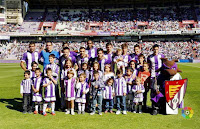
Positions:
{"x": 172, "y": 50}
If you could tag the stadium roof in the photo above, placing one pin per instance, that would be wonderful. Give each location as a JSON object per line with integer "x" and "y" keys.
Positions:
{"x": 88, "y": 3}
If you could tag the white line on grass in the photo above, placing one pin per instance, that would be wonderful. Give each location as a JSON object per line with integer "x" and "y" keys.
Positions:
{"x": 190, "y": 65}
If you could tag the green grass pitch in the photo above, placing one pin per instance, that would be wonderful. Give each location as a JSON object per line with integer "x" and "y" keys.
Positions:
{"x": 11, "y": 105}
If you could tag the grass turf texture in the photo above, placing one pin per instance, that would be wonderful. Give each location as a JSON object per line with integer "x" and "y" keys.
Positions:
{"x": 12, "y": 117}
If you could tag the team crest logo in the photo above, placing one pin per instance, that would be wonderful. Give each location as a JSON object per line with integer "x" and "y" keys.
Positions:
{"x": 175, "y": 92}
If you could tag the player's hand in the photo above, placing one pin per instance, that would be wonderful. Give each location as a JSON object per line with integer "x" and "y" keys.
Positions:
{"x": 21, "y": 94}
{"x": 113, "y": 94}
{"x": 50, "y": 82}
{"x": 83, "y": 92}
{"x": 124, "y": 94}
{"x": 96, "y": 87}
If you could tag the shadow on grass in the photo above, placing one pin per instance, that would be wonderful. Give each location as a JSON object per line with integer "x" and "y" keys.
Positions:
{"x": 13, "y": 104}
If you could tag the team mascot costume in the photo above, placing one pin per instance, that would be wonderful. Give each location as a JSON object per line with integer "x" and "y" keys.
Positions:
{"x": 171, "y": 88}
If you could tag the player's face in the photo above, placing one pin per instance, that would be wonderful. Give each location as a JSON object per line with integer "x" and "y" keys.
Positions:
{"x": 90, "y": 44}
{"x": 107, "y": 69}
{"x": 96, "y": 76}
{"x": 69, "y": 75}
{"x": 100, "y": 54}
{"x": 125, "y": 49}
{"x": 37, "y": 72}
{"x": 128, "y": 72}
{"x": 156, "y": 50}
{"x": 109, "y": 48}
{"x": 132, "y": 65}
{"x": 84, "y": 67}
{"x": 51, "y": 60}
{"x": 137, "y": 50}
{"x": 26, "y": 76}
{"x": 49, "y": 73}
{"x": 82, "y": 52}
{"x": 96, "y": 66}
{"x": 110, "y": 83}
{"x": 82, "y": 78}
{"x": 32, "y": 47}
{"x": 49, "y": 46}
{"x": 34, "y": 67}
{"x": 66, "y": 52}
{"x": 145, "y": 66}
{"x": 141, "y": 59}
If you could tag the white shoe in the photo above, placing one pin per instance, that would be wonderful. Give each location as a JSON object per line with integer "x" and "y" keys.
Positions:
{"x": 134, "y": 111}
{"x": 67, "y": 112}
{"x": 140, "y": 112}
{"x": 92, "y": 113}
{"x": 100, "y": 113}
{"x": 72, "y": 113}
{"x": 124, "y": 112}
{"x": 118, "y": 112}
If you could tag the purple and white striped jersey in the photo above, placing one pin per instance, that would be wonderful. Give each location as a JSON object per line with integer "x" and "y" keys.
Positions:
{"x": 92, "y": 53}
{"x": 82, "y": 87}
{"x": 50, "y": 89}
{"x": 120, "y": 86}
{"x": 126, "y": 59}
{"x": 135, "y": 57}
{"x": 70, "y": 87}
{"x": 109, "y": 58}
{"x": 119, "y": 63}
{"x": 64, "y": 73}
{"x": 37, "y": 83}
{"x": 54, "y": 67}
{"x": 129, "y": 80}
{"x": 136, "y": 88}
{"x": 29, "y": 57}
{"x": 80, "y": 60}
{"x": 26, "y": 85}
{"x": 108, "y": 92}
{"x": 155, "y": 63}
{"x": 32, "y": 74}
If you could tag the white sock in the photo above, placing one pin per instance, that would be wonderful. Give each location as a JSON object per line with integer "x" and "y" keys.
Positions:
{"x": 79, "y": 106}
{"x": 83, "y": 107}
{"x": 36, "y": 107}
{"x": 53, "y": 106}
{"x": 44, "y": 107}
{"x": 72, "y": 110}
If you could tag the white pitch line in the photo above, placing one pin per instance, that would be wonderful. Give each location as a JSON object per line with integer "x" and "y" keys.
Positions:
{"x": 190, "y": 65}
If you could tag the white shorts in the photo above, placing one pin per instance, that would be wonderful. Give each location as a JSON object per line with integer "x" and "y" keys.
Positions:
{"x": 80, "y": 100}
{"x": 50, "y": 99}
{"x": 136, "y": 100}
{"x": 69, "y": 99}
{"x": 37, "y": 98}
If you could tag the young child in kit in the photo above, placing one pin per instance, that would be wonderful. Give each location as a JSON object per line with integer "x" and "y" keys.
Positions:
{"x": 145, "y": 80}
{"x": 37, "y": 87}
{"x": 49, "y": 83}
{"x": 129, "y": 80}
{"x": 25, "y": 90}
{"x": 34, "y": 65}
{"x": 82, "y": 89}
{"x": 141, "y": 59}
{"x": 70, "y": 84}
{"x": 96, "y": 88}
{"x": 138, "y": 90}
{"x": 119, "y": 60}
{"x": 108, "y": 95}
{"x": 54, "y": 67}
{"x": 120, "y": 92}
{"x": 84, "y": 69}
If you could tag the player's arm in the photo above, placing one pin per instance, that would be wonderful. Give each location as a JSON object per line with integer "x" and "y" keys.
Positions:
{"x": 54, "y": 80}
{"x": 22, "y": 64}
